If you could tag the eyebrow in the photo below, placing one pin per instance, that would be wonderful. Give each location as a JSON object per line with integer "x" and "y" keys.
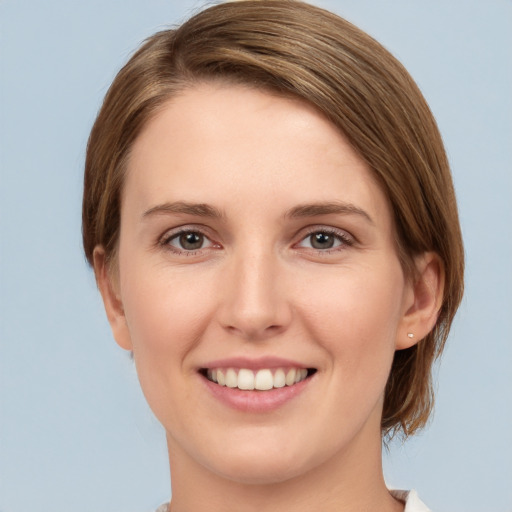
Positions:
{"x": 297, "y": 212}
{"x": 327, "y": 208}
{"x": 196, "y": 209}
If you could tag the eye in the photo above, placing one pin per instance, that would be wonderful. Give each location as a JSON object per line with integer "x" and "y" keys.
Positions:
{"x": 325, "y": 239}
{"x": 188, "y": 241}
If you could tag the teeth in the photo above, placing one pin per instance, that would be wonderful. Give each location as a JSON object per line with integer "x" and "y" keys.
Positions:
{"x": 290, "y": 377}
{"x": 300, "y": 375}
{"x": 231, "y": 378}
{"x": 279, "y": 379}
{"x": 262, "y": 380}
{"x": 245, "y": 379}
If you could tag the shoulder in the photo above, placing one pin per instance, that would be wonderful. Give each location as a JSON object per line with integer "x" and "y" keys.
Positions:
{"x": 411, "y": 500}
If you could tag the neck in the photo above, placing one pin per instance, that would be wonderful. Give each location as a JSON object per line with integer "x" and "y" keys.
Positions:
{"x": 347, "y": 482}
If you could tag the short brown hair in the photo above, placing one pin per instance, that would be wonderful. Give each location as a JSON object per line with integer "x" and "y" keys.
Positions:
{"x": 292, "y": 48}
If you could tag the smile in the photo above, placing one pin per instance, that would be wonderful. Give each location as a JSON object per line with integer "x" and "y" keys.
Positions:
{"x": 264, "y": 379}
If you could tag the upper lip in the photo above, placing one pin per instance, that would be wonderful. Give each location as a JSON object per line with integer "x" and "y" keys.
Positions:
{"x": 253, "y": 363}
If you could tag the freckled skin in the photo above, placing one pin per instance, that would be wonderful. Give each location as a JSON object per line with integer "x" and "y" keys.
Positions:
{"x": 257, "y": 287}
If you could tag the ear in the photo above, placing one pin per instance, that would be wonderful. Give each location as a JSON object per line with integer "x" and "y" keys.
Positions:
{"x": 422, "y": 300}
{"x": 109, "y": 289}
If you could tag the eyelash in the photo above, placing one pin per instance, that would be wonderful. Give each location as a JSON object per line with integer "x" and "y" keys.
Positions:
{"x": 166, "y": 239}
{"x": 341, "y": 236}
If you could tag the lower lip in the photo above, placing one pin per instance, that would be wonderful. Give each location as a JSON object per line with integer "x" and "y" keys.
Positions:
{"x": 254, "y": 400}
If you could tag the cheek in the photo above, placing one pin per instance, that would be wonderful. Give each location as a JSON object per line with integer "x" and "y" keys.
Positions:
{"x": 166, "y": 314}
{"x": 165, "y": 310}
{"x": 355, "y": 316}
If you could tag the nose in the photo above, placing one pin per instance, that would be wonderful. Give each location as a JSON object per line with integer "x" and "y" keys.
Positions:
{"x": 255, "y": 299}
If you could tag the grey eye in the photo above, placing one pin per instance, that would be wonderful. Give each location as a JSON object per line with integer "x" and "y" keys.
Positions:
{"x": 325, "y": 239}
{"x": 322, "y": 240}
{"x": 190, "y": 241}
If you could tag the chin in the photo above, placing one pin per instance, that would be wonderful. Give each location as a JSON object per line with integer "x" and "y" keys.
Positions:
{"x": 264, "y": 463}
{"x": 263, "y": 472}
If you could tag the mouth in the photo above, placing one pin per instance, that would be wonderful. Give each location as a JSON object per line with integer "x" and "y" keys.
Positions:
{"x": 264, "y": 379}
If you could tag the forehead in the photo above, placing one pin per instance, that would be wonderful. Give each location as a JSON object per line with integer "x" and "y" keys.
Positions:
{"x": 220, "y": 143}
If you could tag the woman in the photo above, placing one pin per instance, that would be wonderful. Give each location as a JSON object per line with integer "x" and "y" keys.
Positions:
{"x": 270, "y": 216}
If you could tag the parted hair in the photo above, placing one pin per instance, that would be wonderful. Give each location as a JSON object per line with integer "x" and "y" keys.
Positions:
{"x": 295, "y": 49}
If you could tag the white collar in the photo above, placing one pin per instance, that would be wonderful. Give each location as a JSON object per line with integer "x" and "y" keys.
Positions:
{"x": 411, "y": 500}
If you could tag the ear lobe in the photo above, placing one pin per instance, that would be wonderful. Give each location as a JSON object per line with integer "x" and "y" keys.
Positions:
{"x": 111, "y": 299}
{"x": 422, "y": 302}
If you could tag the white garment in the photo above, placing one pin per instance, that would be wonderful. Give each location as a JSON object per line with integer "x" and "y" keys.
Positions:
{"x": 410, "y": 498}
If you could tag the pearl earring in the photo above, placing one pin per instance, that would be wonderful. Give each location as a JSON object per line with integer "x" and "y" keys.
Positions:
{"x": 410, "y": 335}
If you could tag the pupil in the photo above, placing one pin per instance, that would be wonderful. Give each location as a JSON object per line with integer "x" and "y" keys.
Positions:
{"x": 322, "y": 241}
{"x": 191, "y": 241}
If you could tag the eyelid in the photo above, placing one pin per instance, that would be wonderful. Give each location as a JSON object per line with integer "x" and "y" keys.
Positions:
{"x": 173, "y": 233}
{"x": 344, "y": 236}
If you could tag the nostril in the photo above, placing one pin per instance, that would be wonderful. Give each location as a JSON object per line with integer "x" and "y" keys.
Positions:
{"x": 254, "y": 330}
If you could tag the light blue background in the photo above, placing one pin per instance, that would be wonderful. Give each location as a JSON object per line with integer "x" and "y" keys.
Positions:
{"x": 75, "y": 433}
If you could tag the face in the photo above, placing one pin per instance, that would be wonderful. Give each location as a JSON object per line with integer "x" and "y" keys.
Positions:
{"x": 256, "y": 251}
